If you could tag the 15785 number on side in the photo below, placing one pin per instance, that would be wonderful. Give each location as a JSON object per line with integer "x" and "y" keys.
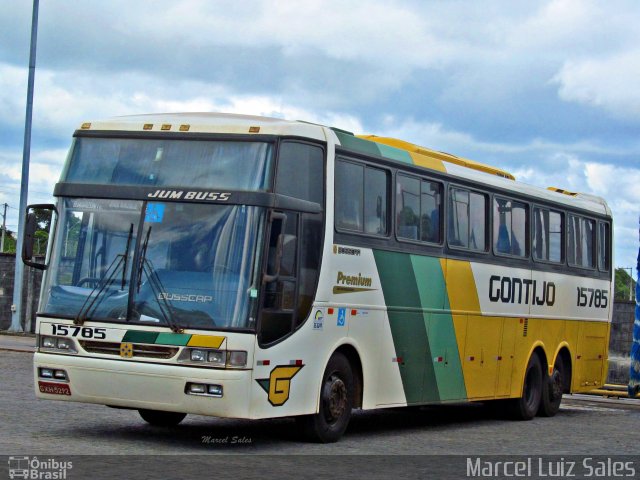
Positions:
{"x": 592, "y": 297}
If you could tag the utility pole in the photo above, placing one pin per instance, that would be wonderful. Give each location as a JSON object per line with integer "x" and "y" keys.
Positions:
{"x": 630, "y": 281}
{"x": 4, "y": 227}
{"x": 16, "y": 308}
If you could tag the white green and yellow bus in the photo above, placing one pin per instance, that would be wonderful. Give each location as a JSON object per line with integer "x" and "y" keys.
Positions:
{"x": 250, "y": 267}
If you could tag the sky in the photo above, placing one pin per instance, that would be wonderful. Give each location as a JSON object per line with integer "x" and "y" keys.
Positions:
{"x": 547, "y": 90}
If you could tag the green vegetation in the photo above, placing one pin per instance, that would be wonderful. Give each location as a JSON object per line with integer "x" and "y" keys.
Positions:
{"x": 622, "y": 283}
{"x": 41, "y": 236}
{"x": 9, "y": 241}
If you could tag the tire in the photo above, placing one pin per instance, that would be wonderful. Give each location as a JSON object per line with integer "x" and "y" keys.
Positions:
{"x": 336, "y": 402}
{"x": 526, "y": 407}
{"x": 552, "y": 389}
{"x": 158, "y": 418}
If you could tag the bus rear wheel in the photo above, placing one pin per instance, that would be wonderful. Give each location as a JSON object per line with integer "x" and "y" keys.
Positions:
{"x": 526, "y": 407}
{"x": 552, "y": 389}
{"x": 336, "y": 402}
{"x": 159, "y": 418}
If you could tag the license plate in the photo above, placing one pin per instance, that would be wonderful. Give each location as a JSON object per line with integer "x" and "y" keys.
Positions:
{"x": 54, "y": 388}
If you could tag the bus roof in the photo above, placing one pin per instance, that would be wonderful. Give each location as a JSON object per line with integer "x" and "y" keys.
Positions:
{"x": 390, "y": 148}
{"x": 442, "y": 156}
{"x": 207, "y": 123}
{"x": 408, "y": 153}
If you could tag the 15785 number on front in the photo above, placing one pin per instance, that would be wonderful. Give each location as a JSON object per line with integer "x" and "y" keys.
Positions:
{"x": 78, "y": 331}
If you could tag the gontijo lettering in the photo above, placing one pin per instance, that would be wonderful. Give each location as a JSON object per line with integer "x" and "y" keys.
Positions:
{"x": 521, "y": 290}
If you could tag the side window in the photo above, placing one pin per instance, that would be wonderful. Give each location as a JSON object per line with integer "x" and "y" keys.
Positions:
{"x": 293, "y": 259}
{"x": 300, "y": 171}
{"x": 361, "y": 198}
{"x": 375, "y": 201}
{"x": 349, "y": 206}
{"x": 310, "y": 252}
{"x": 547, "y": 235}
{"x": 510, "y": 227}
{"x": 280, "y": 294}
{"x": 418, "y": 209}
{"x": 467, "y": 219}
{"x": 581, "y": 242}
{"x": 604, "y": 239}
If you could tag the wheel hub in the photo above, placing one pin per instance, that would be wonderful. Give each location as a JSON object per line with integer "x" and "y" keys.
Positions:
{"x": 556, "y": 385}
{"x": 335, "y": 398}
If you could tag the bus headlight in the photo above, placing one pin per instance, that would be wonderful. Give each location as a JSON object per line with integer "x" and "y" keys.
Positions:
{"x": 217, "y": 357}
{"x": 214, "y": 358}
{"x": 57, "y": 344}
{"x": 198, "y": 355}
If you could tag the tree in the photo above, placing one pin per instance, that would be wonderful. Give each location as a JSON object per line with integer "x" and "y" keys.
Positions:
{"x": 622, "y": 283}
{"x": 9, "y": 242}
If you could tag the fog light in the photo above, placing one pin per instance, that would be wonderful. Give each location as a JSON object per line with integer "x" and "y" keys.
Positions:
{"x": 217, "y": 357}
{"x": 215, "y": 390}
{"x": 46, "y": 373}
{"x": 198, "y": 356}
{"x": 49, "y": 342}
{"x": 197, "y": 388}
{"x": 60, "y": 374}
{"x": 237, "y": 358}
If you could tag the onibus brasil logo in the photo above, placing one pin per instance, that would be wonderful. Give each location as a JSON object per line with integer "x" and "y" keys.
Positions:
{"x": 34, "y": 468}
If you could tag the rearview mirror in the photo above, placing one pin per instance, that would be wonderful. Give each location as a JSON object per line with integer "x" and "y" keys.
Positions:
{"x": 37, "y": 229}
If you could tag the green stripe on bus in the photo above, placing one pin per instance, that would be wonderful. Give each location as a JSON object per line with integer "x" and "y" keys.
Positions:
{"x": 395, "y": 153}
{"x": 173, "y": 339}
{"x": 441, "y": 333}
{"x": 408, "y": 326}
{"x": 139, "y": 336}
{"x": 351, "y": 142}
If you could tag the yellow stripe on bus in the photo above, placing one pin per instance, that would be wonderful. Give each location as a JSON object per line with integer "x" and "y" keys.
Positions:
{"x": 205, "y": 341}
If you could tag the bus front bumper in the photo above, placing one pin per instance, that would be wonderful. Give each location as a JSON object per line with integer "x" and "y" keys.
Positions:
{"x": 142, "y": 385}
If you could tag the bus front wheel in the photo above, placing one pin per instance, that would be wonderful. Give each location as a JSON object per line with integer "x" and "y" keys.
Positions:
{"x": 552, "y": 389}
{"x": 161, "y": 419}
{"x": 526, "y": 407}
{"x": 336, "y": 401}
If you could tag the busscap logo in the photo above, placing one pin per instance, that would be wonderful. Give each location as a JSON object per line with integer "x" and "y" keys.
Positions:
{"x": 34, "y": 468}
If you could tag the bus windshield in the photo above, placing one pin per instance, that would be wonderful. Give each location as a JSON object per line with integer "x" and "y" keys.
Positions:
{"x": 232, "y": 165}
{"x": 180, "y": 264}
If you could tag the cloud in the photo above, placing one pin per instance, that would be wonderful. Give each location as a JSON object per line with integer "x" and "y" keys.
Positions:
{"x": 521, "y": 85}
{"x": 608, "y": 83}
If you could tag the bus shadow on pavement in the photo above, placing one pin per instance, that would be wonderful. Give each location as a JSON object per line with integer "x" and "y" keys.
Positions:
{"x": 232, "y": 435}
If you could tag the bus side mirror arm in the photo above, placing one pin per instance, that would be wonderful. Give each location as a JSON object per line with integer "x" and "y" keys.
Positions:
{"x": 268, "y": 278}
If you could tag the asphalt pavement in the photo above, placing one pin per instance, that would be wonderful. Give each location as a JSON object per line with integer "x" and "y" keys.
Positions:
{"x": 18, "y": 342}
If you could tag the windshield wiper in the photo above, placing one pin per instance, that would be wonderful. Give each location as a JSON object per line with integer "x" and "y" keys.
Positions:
{"x": 106, "y": 281}
{"x": 156, "y": 285}
{"x": 143, "y": 259}
{"x": 157, "y": 288}
{"x": 126, "y": 257}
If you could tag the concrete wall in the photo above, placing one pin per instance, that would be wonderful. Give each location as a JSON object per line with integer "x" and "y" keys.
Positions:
{"x": 620, "y": 341}
{"x": 31, "y": 290}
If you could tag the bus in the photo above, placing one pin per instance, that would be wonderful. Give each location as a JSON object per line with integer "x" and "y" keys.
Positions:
{"x": 249, "y": 267}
